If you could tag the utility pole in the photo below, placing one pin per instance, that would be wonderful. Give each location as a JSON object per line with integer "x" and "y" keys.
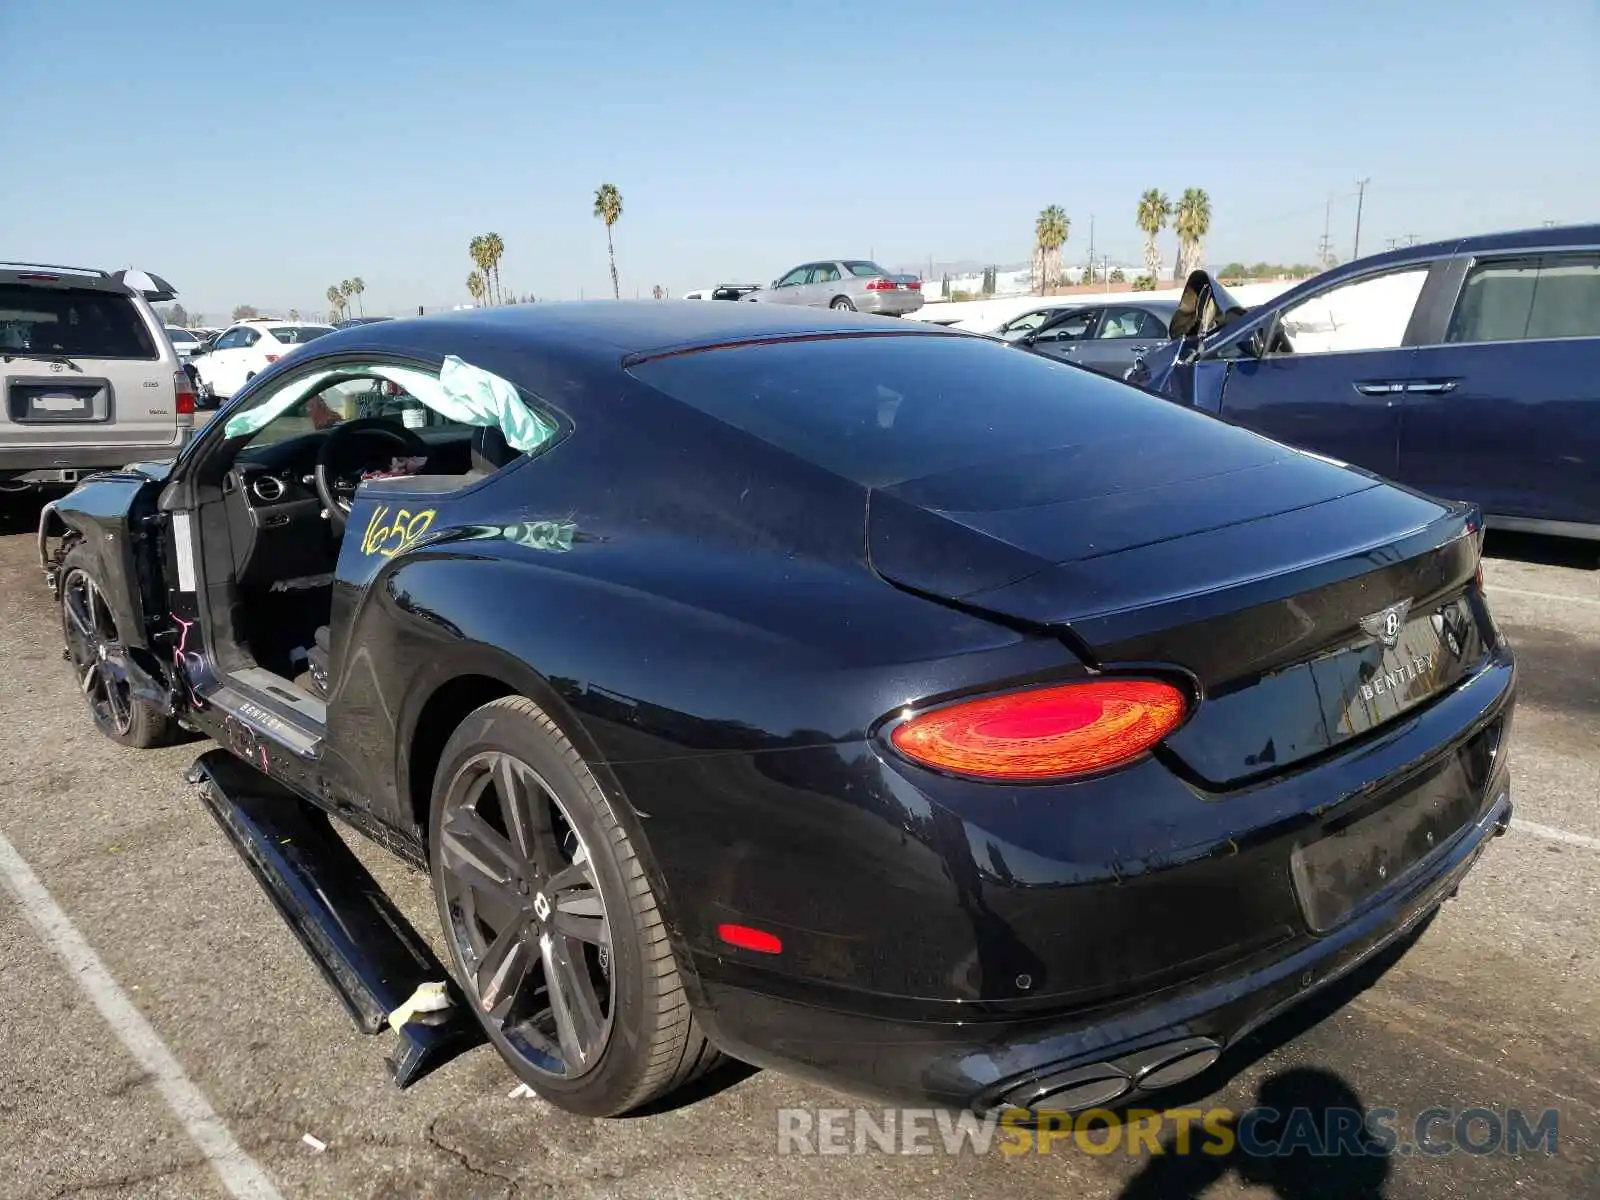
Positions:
{"x": 1361, "y": 195}
{"x": 1091, "y": 247}
{"x": 1325, "y": 248}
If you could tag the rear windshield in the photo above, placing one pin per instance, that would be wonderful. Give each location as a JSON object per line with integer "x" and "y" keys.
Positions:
{"x": 864, "y": 269}
{"x": 883, "y": 410}
{"x": 181, "y": 335}
{"x": 294, "y": 334}
{"x": 79, "y": 324}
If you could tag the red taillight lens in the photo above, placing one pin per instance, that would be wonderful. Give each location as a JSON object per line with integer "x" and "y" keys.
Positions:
{"x": 880, "y": 285}
{"x": 747, "y": 938}
{"x": 183, "y": 394}
{"x": 915, "y": 285}
{"x": 1045, "y": 733}
{"x": 274, "y": 357}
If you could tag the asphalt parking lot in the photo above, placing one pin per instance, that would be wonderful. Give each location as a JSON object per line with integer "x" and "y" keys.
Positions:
{"x": 244, "y": 1051}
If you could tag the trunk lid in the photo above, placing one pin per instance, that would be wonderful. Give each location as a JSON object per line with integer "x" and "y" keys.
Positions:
{"x": 1310, "y": 602}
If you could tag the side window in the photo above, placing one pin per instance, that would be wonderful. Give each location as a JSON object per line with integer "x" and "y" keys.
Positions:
{"x": 249, "y": 337}
{"x": 230, "y": 340}
{"x": 1069, "y": 329}
{"x": 1364, "y": 314}
{"x": 1130, "y": 323}
{"x": 1549, "y": 296}
{"x": 825, "y": 273}
{"x": 796, "y": 276}
{"x": 1027, "y": 322}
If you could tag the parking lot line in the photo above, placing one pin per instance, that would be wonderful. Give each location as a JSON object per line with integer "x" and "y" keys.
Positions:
{"x": 238, "y": 1172}
{"x": 1563, "y": 598}
{"x": 1552, "y": 834}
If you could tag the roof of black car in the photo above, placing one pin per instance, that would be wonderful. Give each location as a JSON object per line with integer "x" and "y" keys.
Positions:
{"x": 636, "y": 327}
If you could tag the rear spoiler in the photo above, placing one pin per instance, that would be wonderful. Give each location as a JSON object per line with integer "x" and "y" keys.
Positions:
{"x": 158, "y": 291}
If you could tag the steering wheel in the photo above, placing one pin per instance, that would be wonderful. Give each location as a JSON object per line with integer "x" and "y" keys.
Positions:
{"x": 377, "y": 435}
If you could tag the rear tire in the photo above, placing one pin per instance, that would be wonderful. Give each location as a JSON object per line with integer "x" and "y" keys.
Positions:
{"x": 566, "y": 898}
{"x": 89, "y": 629}
{"x": 842, "y": 304}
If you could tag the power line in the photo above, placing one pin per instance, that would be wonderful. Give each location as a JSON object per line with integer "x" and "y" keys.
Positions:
{"x": 1361, "y": 195}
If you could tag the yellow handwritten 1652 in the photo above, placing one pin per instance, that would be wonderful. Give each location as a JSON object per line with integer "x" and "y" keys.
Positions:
{"x": 389, "y": 538}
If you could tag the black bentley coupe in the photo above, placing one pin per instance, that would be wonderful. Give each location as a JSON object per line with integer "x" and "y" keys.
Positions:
{"x": 856, "y": 698}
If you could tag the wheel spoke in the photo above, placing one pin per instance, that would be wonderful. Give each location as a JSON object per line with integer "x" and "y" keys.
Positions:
{"x": 573, "y": 1004}
{"x": 89, "y": 674}
{"x": 480, "y": 857}
{"x": 503, "y": 969}
{"x": 116, "y": 702}
{"x": 518, "y": 805}
{"x": 76, "y": 615}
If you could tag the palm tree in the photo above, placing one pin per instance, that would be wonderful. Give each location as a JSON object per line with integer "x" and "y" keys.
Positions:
{"x": 494, "y": 247}
{"x": 476, "y": 288}
{"x": 357, "y": 286}
{"x": 608, "y": 207}
{"x": 335, "y": 302}
{"x": 1154, "y": 209}
{"x": 478, "y": 248}
{"x": 1050, "y": 234}
{"x": 1193, "y": 222}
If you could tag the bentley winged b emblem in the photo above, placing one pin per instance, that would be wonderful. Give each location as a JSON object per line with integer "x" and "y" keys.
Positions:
{"x": 1386, "y": 624}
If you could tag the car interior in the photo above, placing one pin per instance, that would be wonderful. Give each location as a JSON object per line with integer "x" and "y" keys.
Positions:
{"x": 272, "y": 518}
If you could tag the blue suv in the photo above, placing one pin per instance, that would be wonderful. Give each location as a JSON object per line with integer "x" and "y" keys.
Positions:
{"x": 1468, "y": 369}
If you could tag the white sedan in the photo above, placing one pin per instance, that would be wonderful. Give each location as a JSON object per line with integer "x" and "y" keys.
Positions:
{"x": 247, "y": 348}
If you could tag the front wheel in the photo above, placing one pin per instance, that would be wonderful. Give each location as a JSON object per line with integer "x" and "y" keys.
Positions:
{"x": 842, "y": 304}
{"x": 553, "y": 929}
{"x": 91, "y": 637}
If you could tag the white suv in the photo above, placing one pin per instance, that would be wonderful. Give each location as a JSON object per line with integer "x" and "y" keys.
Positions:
{"x": 88, "y": 379}
{"x": 247, "y": 348}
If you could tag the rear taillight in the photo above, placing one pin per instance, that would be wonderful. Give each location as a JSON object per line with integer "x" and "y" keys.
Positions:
{"x": 880, "y": 285}
{"x": 1044, "y": 733}
{"x": 183, "y": 393}
{"x": 915, "y": 285}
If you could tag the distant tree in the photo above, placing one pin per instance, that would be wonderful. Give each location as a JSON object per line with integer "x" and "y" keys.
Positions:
{"x": 175, "y": 315}
{"x": 294, "y": 314}
{"x": 608, "y": 208}
{"x": 1117, "y": 276}
{"x": 1154, "y": 209}
{"x": 989, "y": 281}
{"x": 494, "y": 248}
{"x": 1235, "y": 270}
{"x": 476, "y": 288}
{"x": 245, "y": 312}
{"x": 1144, "y": 283}
{"x": 658, "y": 292}
{"x": 1050, "y": 232}
{"x": 1193, "y": 222}
{"x": 357, "y": 286}
{"x": 335, "y": 302}
{"x": 944, "y": 286}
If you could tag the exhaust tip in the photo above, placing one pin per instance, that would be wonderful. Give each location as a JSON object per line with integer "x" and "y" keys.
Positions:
{"x": 1503, "y": 822}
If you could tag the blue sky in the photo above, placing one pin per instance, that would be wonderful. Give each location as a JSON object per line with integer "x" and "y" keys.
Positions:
{"x": 257, "y": 152}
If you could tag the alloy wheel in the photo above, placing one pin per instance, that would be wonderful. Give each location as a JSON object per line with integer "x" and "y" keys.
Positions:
{"x": 91, "y": 636}
{"x": 526, "y": 915}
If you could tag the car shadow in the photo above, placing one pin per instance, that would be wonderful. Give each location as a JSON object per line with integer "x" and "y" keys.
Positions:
{"x": 1542, "y": 550}
{"x": 1557, "y": 669}
{"x": 19, "y": 511}
{"x": 1326, "y": 1099}
{"x": 720, "y": 1078}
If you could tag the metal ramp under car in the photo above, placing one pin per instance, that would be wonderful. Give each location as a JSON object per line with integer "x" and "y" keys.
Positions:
{"x": 367, "y": 951}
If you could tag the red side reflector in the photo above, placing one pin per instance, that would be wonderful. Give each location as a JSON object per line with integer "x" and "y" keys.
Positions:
{"x": 1045, "y": 733}
{"x": 746, "y": 938}
{"x": 274, "y": 357}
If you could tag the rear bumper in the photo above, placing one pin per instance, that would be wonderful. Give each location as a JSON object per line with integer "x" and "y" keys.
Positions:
{"x": 1112, "y": 1056}
{"x": 890, "y": 304}
{"x": 955, "y": 945}
{"x": 63, "y": 464}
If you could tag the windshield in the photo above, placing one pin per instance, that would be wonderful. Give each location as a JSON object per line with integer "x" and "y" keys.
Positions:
{"x": 78, "y": 324}
{"x": 883, "y": 410}
{"x": 295, "y": 334}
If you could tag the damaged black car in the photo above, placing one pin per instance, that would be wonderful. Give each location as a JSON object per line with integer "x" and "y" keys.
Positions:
{"x": 863, "y": 700}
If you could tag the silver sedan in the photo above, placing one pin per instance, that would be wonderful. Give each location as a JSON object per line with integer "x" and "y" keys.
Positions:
{"x": 844, "y": 283}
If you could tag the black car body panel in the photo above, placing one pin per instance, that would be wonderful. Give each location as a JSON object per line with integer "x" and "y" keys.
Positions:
{"x": 724, "y": 626}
